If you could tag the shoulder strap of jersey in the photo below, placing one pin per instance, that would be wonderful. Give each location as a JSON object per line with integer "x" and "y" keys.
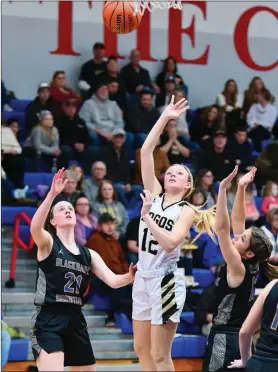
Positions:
{"x": 86, "y": 253}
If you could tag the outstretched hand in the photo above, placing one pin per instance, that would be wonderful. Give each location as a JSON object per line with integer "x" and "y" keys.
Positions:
{"x": 174, "y": 110}
{"x": 236, "y": 364}
{"x": 58, "y": 183}
{"x": 247, "y": 178}
{"x": 227, "y": 181}
{"x": 147, "y": 202}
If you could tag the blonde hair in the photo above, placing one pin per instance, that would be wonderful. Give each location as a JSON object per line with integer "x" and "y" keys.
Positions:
{"x": 204, "y": 219}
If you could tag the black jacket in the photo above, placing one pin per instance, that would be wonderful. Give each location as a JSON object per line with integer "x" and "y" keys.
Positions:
{"x": 33, "y": 110}
{"x": 140, "y": 120}
{"x": 117, "y": 164}
{"x": 72, "y": 131}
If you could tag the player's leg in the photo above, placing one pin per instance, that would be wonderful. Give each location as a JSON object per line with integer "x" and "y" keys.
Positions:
{"x": 50, "y": 362}
{"x": 142, "y": 344}
{"x": 161, "y": 339}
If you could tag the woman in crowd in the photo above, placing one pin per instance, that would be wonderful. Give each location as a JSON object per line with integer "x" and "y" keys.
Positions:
{"x": 205, "y": 124}
{"x": 86, "y": 222}
{"x": 270, "y": 199}
{"x": 79, "y": 174}
{"x": 271, "y": 231}
{"x": 205, "y": 180}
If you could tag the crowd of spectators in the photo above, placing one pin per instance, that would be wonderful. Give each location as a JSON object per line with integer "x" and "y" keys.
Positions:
{"x": 97, "y": 132}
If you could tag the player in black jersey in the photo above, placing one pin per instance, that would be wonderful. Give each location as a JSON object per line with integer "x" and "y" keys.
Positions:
{"x": 263, "y": 314}
{"x": 59, "y": 331}
{"x": 235, "y": 284}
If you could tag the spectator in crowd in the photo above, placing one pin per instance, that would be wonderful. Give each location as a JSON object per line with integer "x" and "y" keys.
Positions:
{"x": 101, "y": 116}
{"x": 267, "y": 163}
{"x": 43, "y": 102}
{"x": 6, "y": 97}
{"x": 164, "y": 98}
{"x": 198, "y": 196}
{"x": 59, "y": 91}
{"x": 12, "y": 159}
{"x": 132, "y": 239}
{"x": 79, "y": 175}
{"x": 256, "y": 86}
{"x": 91, "y": 69}
{"x": 12, "y": 123}
{"x": 70, "y": 192}
{"x": 231, "y": 193}
{"x": 117, "y": 95}
{"x": 103, "y": 241}
{"x": 251, "y": 211}
{"x": 205, "y": 181}
{"x": 230, "y": 102}
{"x": 270, "y": 194}
{"x": 133, "y": 75}
{"x": 91, "y": 184}
{"x": 142, "y": 117}
{"x": 205, "y": 124}
{"x": 74, "y": 137}
{"x": 161, "y": 163}
{"x": 43, "y": 142}
{"x": 86, "y": 222}
{"x": 106, "y": 201}
{"x": 170, "y": 69}
{"x": 116, "y": 159}
{"x": 173, "y": 145}
{"x": 241, "y": 148}
{"x": 261, "y": 118}
{"x": 216, "y": 157}
{"x": 271, "y": 231}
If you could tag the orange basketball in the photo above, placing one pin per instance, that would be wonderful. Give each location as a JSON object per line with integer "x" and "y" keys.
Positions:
{"x": 118, "y": 16}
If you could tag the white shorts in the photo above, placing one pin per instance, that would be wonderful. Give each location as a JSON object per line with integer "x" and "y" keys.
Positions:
{"x": 158, "y": 299}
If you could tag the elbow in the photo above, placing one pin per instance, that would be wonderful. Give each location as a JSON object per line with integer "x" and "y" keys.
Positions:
{"x": 243, "y": 333}
{"x": 169, "y": 245}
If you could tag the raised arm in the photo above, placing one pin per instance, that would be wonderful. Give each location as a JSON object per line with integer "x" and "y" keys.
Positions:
{"x": 222, "y": 229}
{"x": 249, "y": 327}
{"x": 41, "y": 237}
{"x": 168, "y": 241}
{"x": 238, "y": 212}
{"x": 173, "y": 111}
{"x": 103, "y": 272}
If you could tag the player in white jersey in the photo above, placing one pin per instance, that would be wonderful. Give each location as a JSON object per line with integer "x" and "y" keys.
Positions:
{"x": 159, "y": 288}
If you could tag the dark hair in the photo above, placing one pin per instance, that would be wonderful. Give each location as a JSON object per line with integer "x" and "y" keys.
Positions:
{"x": 259, "y": 245}
{"x": 82, "y": 195}
{"x": 11, "y": 120}
{"x": 48, "y": 226}
{"x": 165, "y": 65}
{"x": 231, "y": 100}
{"x": 273, "y": 212}
{"x": 200, "y": 175}
{"x": 98, "y": 45}
{"x": 266, "y": 94}
{"x": 99, "y": 197}
{"x": 198, "y": 190}
{"x": 112, "y": 58}
{"x": 56, "y": 73}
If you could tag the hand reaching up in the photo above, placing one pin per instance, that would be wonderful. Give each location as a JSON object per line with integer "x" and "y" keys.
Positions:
{"x": 58, "y": 183}
{"x": 247, "y": 178}
{"x": 174, "y": 110}
{"x": 225, "y": 184}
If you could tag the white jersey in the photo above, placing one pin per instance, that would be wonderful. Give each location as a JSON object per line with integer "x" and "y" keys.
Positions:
{"x": 151, "y": 254}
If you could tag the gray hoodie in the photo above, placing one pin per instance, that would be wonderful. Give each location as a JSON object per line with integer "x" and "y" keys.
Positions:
{"x": 101, "y": 114}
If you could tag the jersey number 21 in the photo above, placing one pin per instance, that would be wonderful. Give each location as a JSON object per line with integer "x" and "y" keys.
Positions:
{"x": 148, "y": 247}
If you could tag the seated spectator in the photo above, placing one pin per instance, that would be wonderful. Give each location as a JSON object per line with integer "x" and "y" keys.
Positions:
{"x": 205, "y": 124}
{"x": 216, "y": 157}
{"x": 12, "y": 123}
{"x": 116, "y": 159}
{"x": 170, "y": 68}
{"x": 116, "y": 95}
{"x": 241, "y": 148}
{"x": 79, "y": 175}
{"x": 70, "y": 192}
{"x": 270, "y": 197}
{"x": 256, "y": 86}
{"x": 271, "y": 231}
{"x": 134, "y": 76}
{"x": 43, "y": 142}
{"x": 230, "y": 101}
{"x": 91, "y": 185}
{"x": 205, "y": 181}
{"x": 267, "y": 163}
{"x": 74, "y": 137}
{"x": 261, "y": 118}
{"x": 6, "y": 97}
{"x": 60, "y": 92}
{"x": 101, "y": 116}
{"x": 86, "y": 222}
{"x": 103, "y": 241}
{"x": 173, "y": 145}
{"x": 163, "y": 99}
{"x": 43, "y": 102}
{"x": 251, "y": 211}
{"x": 106, "y": 201}
{"x": 142, "y": 117}
{"x": 161, "y": 164}
{"x": 132, "y": 239}
{"x": 198, "y": 197}
{"x": 91, "y": 69}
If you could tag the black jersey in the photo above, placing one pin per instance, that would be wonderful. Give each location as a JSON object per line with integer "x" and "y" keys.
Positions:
{"x": 63, "y": 277}
{"x": 267, "y": 345}
{"x": 232, "y": 305}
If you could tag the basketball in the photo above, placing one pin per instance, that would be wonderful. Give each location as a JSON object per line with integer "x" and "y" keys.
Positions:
{"x": 118, "y": 16}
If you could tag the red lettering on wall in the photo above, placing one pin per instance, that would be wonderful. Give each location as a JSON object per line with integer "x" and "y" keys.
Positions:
{"x": 65, "y": 29}
{"x": 176, "y": 31}
{"x": 241, "y": 38}
{"x": 144, "y": 38}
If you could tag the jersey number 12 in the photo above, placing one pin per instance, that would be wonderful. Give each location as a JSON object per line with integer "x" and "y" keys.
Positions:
{"x": 151, "y": 243}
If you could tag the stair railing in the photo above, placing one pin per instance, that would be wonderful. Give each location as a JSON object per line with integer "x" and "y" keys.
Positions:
{"x": 17, "y": 242}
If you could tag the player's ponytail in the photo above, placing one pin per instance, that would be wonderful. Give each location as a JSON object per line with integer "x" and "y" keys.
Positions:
{"x": 204, "y": 221}
{"x": 271, "y": 271}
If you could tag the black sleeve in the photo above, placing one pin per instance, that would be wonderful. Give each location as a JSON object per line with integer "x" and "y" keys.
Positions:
{"x": 83, "y": 72}
{"x": 31, "y": 117}
{"x": 82, "y": 134}
{"x": 133, "y": 229}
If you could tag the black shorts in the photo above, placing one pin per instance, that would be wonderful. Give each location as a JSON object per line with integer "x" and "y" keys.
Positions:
{"x": 256, "y": 364}
{"x": 62, "y": 328}
{"x": 222, "y": 349}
